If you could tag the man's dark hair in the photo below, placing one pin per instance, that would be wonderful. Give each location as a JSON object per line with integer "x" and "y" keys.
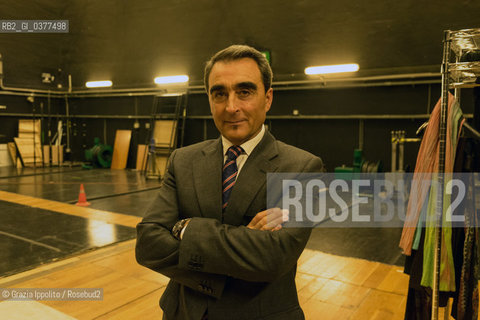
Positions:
{"x": 236, "y": 52}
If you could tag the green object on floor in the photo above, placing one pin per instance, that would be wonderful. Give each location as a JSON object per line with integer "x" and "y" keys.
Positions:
{"x": 360, "y": 165}
{"x": 100, "y": 155}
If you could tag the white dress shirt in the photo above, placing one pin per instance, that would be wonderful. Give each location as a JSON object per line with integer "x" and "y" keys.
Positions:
{"x": 246, "y": 146}
{"x": 247, "y": 150}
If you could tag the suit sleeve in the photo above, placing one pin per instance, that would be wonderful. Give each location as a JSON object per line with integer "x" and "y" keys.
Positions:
{"x": 240, "y": 252}
{"x": 158, "y": 250}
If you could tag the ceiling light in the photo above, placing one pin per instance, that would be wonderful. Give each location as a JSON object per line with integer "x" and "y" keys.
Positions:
{"x": 174, "y": 94}
{"x": 171, "y": 79}
{"x": 98, "y": 84}
{"x": 351, "y": 67}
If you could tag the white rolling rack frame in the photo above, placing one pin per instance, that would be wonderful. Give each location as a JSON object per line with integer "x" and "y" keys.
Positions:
{"x": 455, "y": 75}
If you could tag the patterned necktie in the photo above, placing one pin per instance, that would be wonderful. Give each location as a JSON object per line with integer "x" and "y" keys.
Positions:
{"x": 229, "y": 175}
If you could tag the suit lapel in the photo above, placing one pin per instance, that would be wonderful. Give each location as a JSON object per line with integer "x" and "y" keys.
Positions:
{"x": 207, "y": 175}
{"x": 251, "y": 179}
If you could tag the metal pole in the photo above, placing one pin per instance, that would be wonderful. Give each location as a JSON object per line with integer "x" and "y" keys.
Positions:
{"x": 184, "y": 116}
{"x": 42, "y": 135}
{"x": 457, "y": 90}
{"x": 394, "y": 151}
{"x": 34, "y": 133}
{"x": 50, "y": 153}
{"x": 68, "y": 123}
{"x": 401, "y": 148}
{"x": 441, "y": 171}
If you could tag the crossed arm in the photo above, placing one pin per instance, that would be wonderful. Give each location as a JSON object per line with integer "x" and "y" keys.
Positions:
{"x": 266, "y": 220}
{"x": 210, "y": 251}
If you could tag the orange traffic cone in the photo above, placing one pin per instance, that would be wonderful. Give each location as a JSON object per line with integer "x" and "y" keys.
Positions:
{"x": 82, "y": 198}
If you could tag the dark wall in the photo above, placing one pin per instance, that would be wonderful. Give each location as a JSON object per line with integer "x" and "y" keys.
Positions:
{"x": 335, "y": 139}
{"x": 27, "y": 56}
{"x": 18, "y": 107}
{"x": 332, "y": 139}
{"x": 131, "y": 42}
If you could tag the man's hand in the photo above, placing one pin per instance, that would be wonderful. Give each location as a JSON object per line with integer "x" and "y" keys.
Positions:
{"x": 270, "y": 219}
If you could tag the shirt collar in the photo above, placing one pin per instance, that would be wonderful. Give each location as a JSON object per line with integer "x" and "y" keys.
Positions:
{"x": 247, "y": 146}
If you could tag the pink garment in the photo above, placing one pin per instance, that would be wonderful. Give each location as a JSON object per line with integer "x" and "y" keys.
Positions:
{"x": 427, "y": 163}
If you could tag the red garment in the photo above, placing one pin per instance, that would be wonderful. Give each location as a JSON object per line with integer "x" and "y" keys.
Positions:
{"x": 427, "y": 163}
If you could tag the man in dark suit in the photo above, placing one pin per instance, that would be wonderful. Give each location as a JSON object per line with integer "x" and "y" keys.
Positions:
{"x": 209, "y": 229}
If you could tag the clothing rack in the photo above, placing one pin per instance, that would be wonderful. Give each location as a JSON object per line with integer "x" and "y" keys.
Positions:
{"x": 474, "y": 133}
{"x": 456, "y": 74}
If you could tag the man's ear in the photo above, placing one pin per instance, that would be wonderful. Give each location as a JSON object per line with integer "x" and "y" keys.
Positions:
{"x": 268, "y": 99}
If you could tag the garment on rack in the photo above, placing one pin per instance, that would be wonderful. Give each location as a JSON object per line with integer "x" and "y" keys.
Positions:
{"x": 423, "y": 196}
{"x": 465, "y": 304}
{"x": 427, "y": 163}
{"x": 465, "y": 245}
{"x": 419, "y": 298}
{"x": 447, "y": 271}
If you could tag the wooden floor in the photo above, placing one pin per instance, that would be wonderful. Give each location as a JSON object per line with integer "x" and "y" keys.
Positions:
{"x": 84, "y": 212}
{"x": 329, "y": 286}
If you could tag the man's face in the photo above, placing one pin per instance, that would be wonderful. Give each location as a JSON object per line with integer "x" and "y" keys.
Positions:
{"x": 237, "y": 97}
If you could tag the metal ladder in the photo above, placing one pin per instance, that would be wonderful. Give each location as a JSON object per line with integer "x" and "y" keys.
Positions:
{"x": 166, "y": 131}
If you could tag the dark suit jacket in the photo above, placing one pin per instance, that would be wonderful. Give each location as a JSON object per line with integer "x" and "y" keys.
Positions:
{"x": 235, "y": 272}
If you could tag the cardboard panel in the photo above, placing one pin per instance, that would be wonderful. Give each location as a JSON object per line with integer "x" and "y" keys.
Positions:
{"x": 157, "y": 169}
{"x": 141, "y": 157}
{"x": 28, "y": 142}
{"x": 30, "y": 156}
{"x": 161, "y": 164}
{"x": 29, "y": 129}
{"x": 12, "y": 150}
{"x": 5, "y": 159}
{"x": 46, "y": 155}
{"x": 30, "y": 135}
{"x": 120, "y": 149}
{"x": 29, "y": 126}
{"x": 57, "y": 154}
{"x": 164, "y": 132}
